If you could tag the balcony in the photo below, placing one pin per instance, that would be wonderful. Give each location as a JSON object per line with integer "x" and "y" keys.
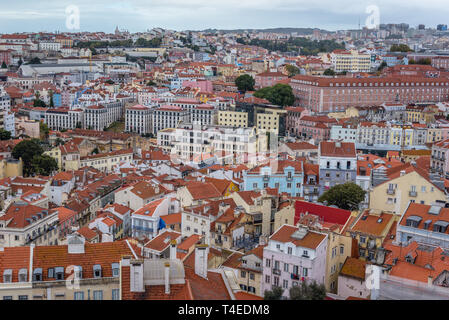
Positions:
{"x": 294, "y": 276}
{"x": 412, "y": 193}
{"x": 277, "y": 272}
{"x": 391, "y": 191}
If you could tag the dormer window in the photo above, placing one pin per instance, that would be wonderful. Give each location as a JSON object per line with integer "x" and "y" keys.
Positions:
{"x": 7, "y": 276}
{"x": 59, "y": 273}
{"x": 23, "y": 275}
{"x": 37, "y": 274}
{"x": 97, "y": 271}
{"x": 115, "y": 269}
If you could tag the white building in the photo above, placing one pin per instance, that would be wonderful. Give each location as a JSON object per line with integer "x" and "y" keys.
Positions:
{"x": 344, "y": 133}
{"x": 168, "y": 116}
{"x": 138, "y": 119}
{"x": 61, "y": 118}
{"x": 5, "y": 101}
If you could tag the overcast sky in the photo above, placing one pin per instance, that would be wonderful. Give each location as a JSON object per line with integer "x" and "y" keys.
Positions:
{"x": 139, "y": 15}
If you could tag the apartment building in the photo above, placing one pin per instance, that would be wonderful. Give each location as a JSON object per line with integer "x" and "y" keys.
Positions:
{"x": 24, "y": 223}
{"x": 64, "y": 118}
{"x": 396, "y": 187}
{"x": 220, "y": 144}
{"x": 294, "y": 254}
{"x": 76, "y": 271}
{"x": 5, "y": 100}
{"x": 203, "y": 114}
{"x": 229, "y": 118}
{"x": 169, "y": 116}
{"x": 350, "y": 61}
{"x": 106, "y": 161}
{"x": 138, "y": 119}
{"x": 426, "y": 224}
{"x": 370, "y": 229}
{"x": 268, "y": 79}
{"x": 284, "y": 175}
{"x": 338, "y": 163}
{"x": 439, "y": 161}
{"x": 336, "y": 94}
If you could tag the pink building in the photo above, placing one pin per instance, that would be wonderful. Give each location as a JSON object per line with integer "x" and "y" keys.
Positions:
{"x": 313, "y": 127}
{"x": 268, "y": 79}
{"x": 203, "y": 85}
{"x": 293, "y": 254}
{"x": 324, "y": 94}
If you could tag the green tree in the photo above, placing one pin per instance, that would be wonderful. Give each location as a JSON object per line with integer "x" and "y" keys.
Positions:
{"x": 52, "y": 104}
{"x": 245, "y": 83}
{"x": 308, "y": 291}
{"x": 329, "y": 72}
{"x": 382, "y": 66}
{"x": 151, "y": 83}
{"x": 59, "y": 142}
{"x": 400, "y": 48}
{"x": 5, "y": 135}
{"x": 20, "y": 62}
{"x": 26, "y": 150}
{"x": 109, "y": 81}
{"x": 4, "y": 66}
{"x": 275, "y": 294}
{"x": 43, "y": 164}
{"x": 280, "y": 94}
{"x": 35, "y": 60}
{"x": 346, "y": 196}
{"x": 44, "y": 130}
{"x": 95, "y": 151}
{"x": 292, "y": 70}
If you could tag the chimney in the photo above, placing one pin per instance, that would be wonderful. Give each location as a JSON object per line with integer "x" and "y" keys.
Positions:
{"x": 167, "y": 277}
{"x": 173, "y": 249}
{"x": 201, "y": 254}
{"x": 136, "y": 276}
{"x": 338, "y": 144}
{"x": 429, "y": 281}
{"x": 402, "y": 173}
{"x": 75, "y": 243}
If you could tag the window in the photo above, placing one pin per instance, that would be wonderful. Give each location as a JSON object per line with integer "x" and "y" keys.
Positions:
{"x": 305, "y": 253}
{"x": 24, "y": 297}
{"x": 51, "y": 273}
{"x": 243, "y": 274}
{"x": 59, "y": 272}
{"x": 115, "y": 294}
{"x": 285, "y": 284}
{"x": 37, "y": 274}
{"x": 342, "y": 249}
{"x": 362, "y": 239}
{"x": 268, "y": 263}
{"x": 7, "y": 276}
{"x": 304, "y": 272}
{"x": 79, "y": 295}
{"x": 7, "y": 297}
{"x": 98, "y": 294}
{"x": 97, "y": 271}
{"x": 276, "y": 281}
{"x": 289, "y": 250}
{"x": 267, "y": 279}
{"x": 252, "y": 276}
{"x": 286, "y": 267}
{"x": 115, "y": 269}
{"x": 23, "y": 275}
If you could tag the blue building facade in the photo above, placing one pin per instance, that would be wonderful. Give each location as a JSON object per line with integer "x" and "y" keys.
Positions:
{"x": 286, "y": 176}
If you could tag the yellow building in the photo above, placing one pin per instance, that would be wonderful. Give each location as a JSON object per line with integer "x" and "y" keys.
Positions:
{"x": 370, "y": 230}
{"x": 405, "y": 183}
{"x": 434, "y": 135}
{"x": 401, "y": 135}
{"x": 233, "y": 119}
{"x": 11, "y": 168}
{"x": 351, "y": 61}
{"x": 55, "y": 153}
{"x": 269, "y": 120}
